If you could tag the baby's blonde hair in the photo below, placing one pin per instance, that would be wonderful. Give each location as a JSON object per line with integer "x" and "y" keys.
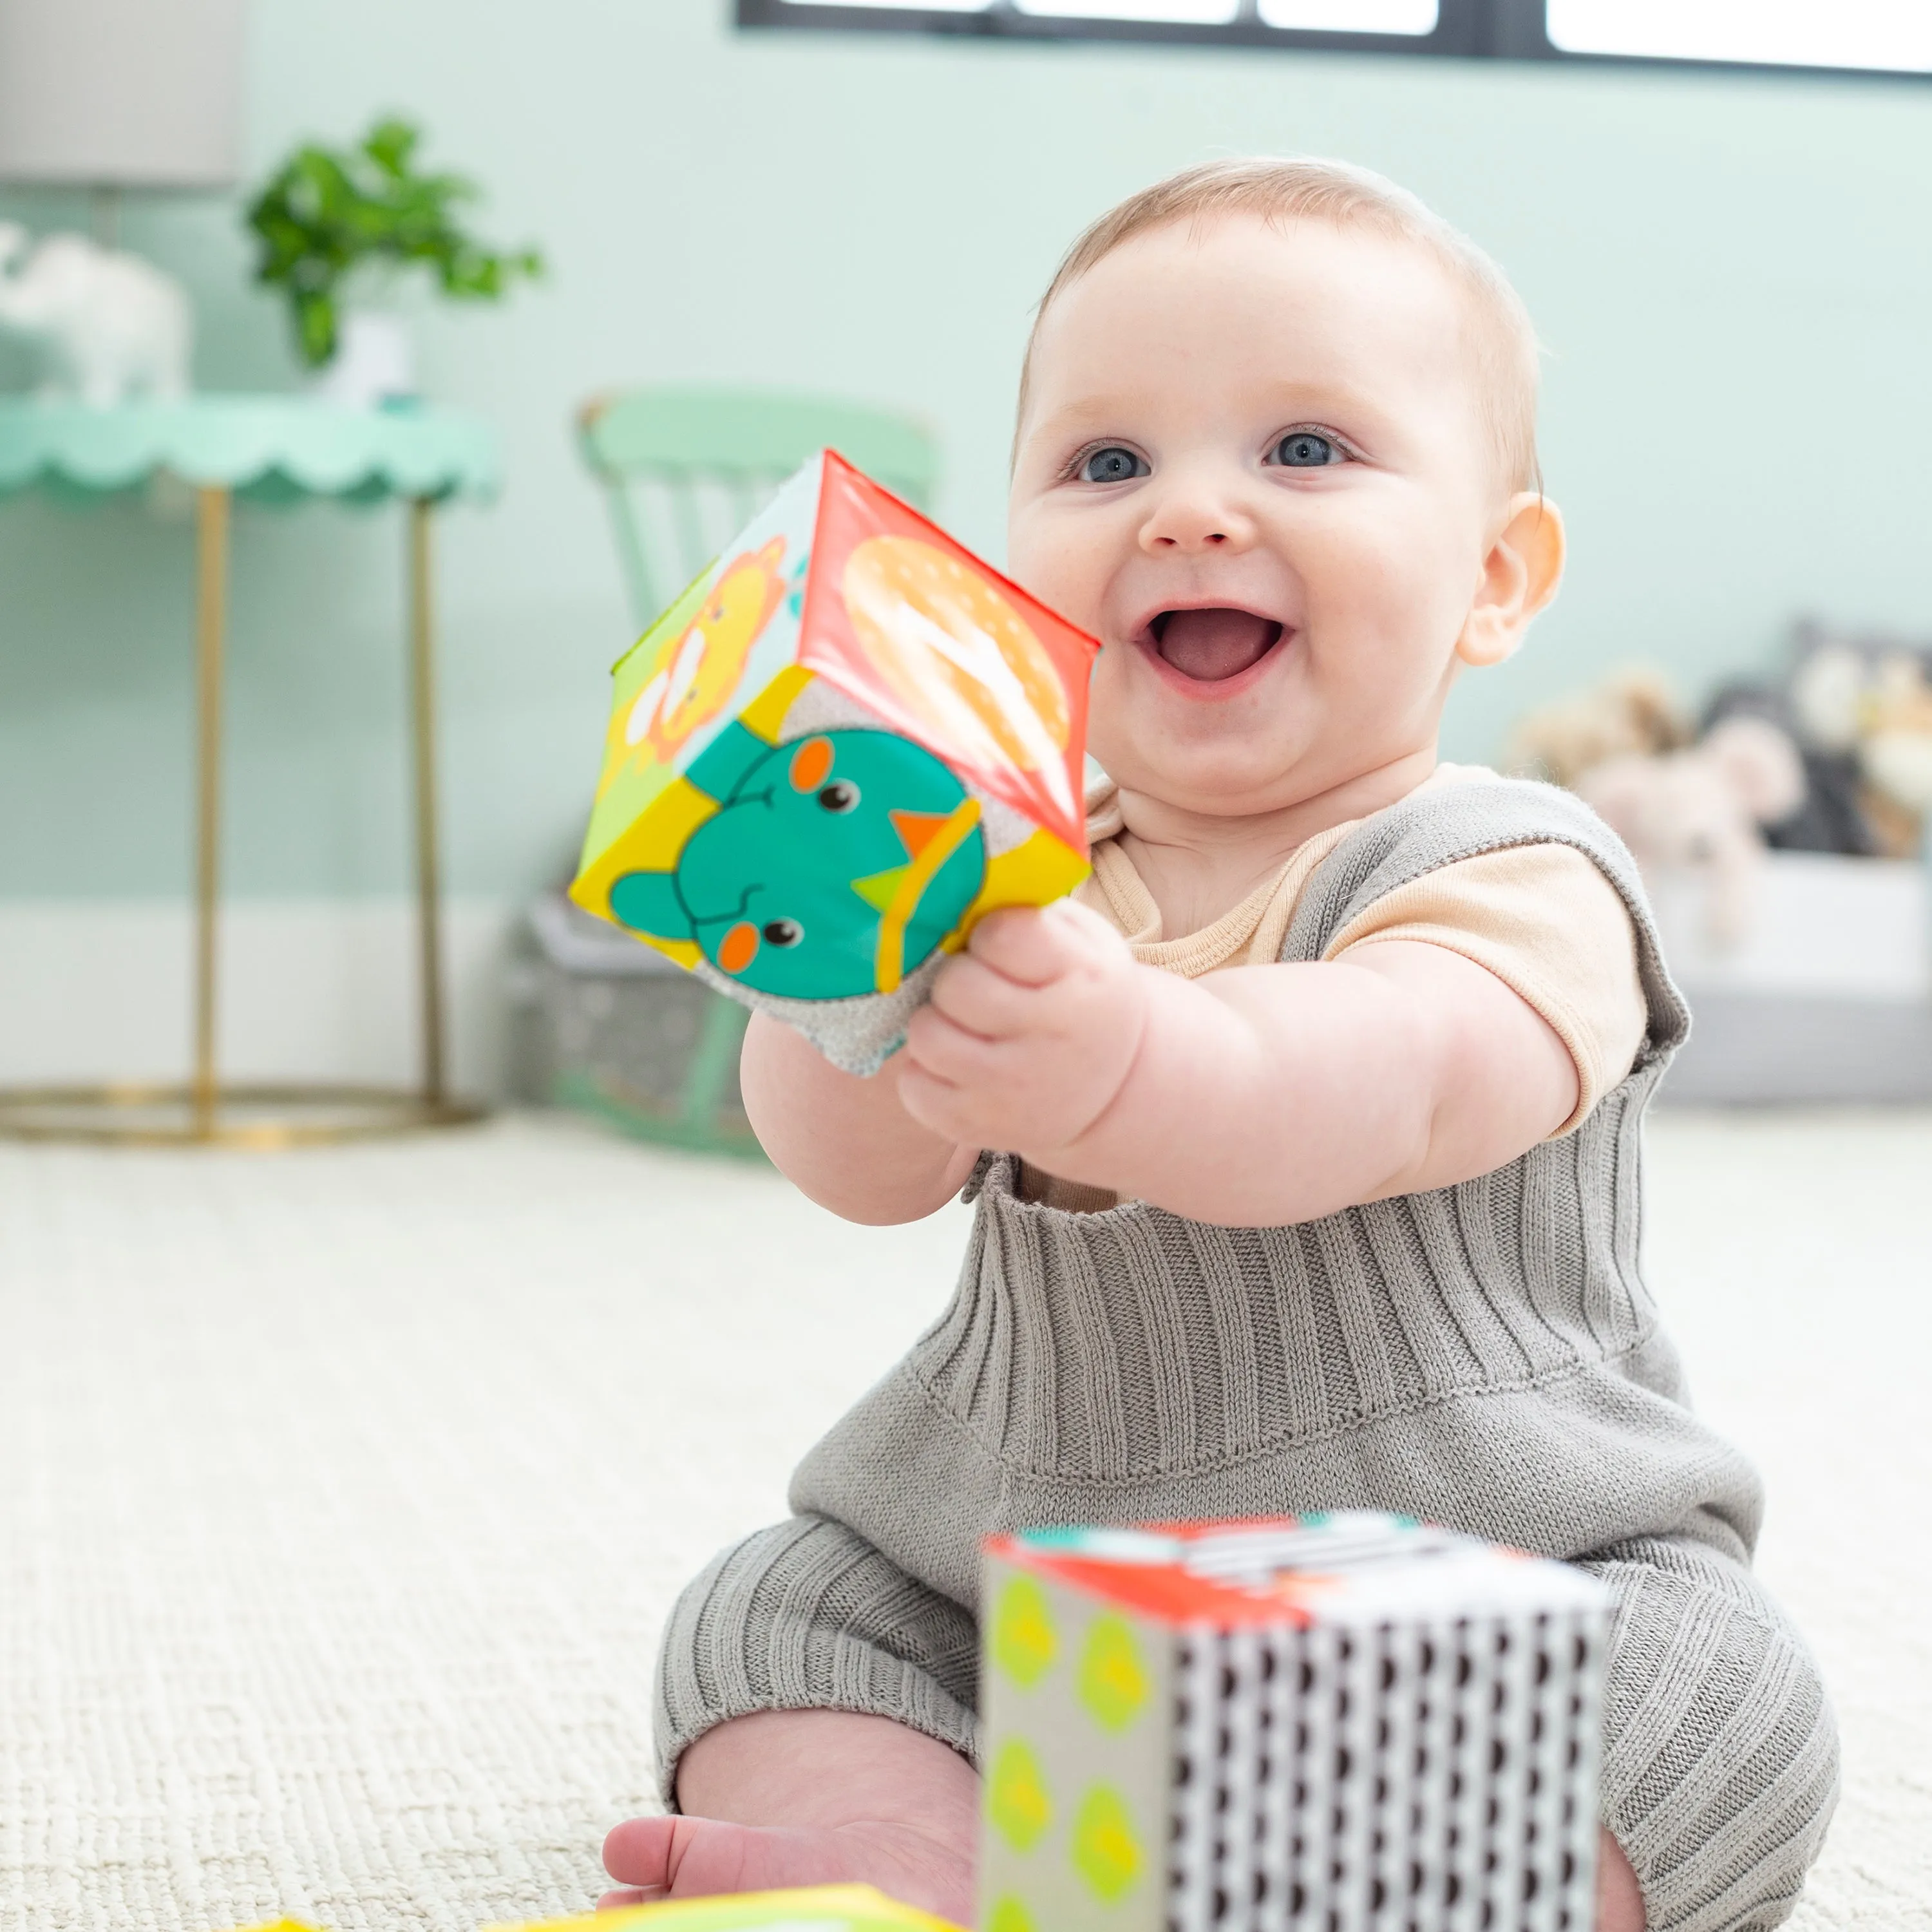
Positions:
{"x": 1502, "y": 337}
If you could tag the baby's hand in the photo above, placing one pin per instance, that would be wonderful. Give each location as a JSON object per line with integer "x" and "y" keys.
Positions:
{"x": 1029, "y": 1035}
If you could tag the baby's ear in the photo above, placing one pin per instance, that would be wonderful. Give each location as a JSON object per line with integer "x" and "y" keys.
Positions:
{"x": 1519, "y": 576}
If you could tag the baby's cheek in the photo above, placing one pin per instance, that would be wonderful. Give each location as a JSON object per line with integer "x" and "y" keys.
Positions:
{"x": 1064, "y": 562}
{"x": 1107, "y": 720}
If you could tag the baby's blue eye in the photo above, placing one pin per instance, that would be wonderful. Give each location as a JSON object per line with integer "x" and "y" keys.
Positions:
{"x": 1304, "y": 449}
{"x": 1113, "y": 464}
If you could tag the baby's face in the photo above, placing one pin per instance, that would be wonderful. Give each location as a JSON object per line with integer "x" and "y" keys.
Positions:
{"x": 1254, "y": 464}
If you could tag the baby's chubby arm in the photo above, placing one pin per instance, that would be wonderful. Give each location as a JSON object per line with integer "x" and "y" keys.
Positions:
{"x": 845, "y": 1141}
{"x": 1257, "y": 1095}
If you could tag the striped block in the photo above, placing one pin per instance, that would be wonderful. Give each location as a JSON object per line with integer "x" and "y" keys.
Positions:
{"x": 1347, "y": 1723}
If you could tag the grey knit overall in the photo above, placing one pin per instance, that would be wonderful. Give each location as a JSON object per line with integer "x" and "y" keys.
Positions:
{"x": 1486, "y": 1355}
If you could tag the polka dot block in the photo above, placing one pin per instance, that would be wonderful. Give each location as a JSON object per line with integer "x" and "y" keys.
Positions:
{"x": 1106, "y": 1853}
{"x": 1008, "y": 1915}
{"x": 1346, "y": 1722}
{"x": 1023, "y": 1643}
{"x": 1017, "y": 1802}
{"x": 1114, "y": 1682}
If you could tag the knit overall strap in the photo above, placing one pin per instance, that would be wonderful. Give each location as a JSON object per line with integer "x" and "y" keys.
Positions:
{"x": 1467, "y": 819}
{"x": 1445, "y": 824}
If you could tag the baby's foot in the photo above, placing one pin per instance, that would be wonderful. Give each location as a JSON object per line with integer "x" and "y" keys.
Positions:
{"x": 685, "y": 1858}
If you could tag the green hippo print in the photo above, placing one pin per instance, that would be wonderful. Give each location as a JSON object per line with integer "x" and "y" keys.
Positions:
{"x": 832, "y": 866}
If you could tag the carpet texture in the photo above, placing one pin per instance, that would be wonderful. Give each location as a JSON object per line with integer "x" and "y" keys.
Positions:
{"x": 341, "y": 1493}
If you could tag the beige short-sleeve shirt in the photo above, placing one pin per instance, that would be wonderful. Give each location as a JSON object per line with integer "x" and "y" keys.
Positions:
{"x": 1542, "y": 918}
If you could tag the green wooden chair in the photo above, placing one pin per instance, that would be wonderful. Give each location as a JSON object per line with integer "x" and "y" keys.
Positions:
{"x": 672, "y": 461}
{"x": 683, "y": 469}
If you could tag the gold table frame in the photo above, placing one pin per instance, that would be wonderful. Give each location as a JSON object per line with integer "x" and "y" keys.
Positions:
{"x": 297, "y": 1113}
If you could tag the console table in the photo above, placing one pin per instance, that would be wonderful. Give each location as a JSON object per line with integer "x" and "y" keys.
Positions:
{"x": 280, "y": 450}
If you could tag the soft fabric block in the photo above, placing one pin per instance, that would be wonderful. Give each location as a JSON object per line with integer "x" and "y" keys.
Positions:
{"x": 843, "y": 745}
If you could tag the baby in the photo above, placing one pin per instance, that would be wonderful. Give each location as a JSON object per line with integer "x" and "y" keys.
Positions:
{"x": 1305, "y": 1140}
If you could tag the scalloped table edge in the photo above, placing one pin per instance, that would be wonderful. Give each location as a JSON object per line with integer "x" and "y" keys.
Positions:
{"x": 272, "y": 449}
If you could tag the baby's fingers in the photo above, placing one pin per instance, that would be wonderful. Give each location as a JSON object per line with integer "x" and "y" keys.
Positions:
{"x": 971, "y": 994}
{"x": 1036, "y": 944}
{"x": 941, "y": 1047}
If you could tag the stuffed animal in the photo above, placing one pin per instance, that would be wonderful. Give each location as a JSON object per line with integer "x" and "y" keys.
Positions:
{"x": 109, "y": 325}
{"x": 1633, "y": 713}
{"x": 1869, "y": 702}
{"x": 1701, "y": 809}
{"x": 1895, "y": 751}
{"x": 1833, "y": 816}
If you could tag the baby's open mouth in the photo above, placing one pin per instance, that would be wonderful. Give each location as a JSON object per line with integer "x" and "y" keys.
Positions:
{"x": 1215, "y": 643}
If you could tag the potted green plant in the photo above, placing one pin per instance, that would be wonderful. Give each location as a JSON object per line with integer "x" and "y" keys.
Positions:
{"x": 336, "y": 228}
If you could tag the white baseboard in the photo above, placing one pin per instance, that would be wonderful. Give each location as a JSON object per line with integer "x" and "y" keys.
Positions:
{"x": 310, "y": 989}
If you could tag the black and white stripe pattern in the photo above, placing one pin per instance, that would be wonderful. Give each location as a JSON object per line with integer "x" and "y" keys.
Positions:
{"x": 1401, "y": 1777}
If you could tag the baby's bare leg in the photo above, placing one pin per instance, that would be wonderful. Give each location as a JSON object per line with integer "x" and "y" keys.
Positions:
{"x": 791, "y": 1797}
{"x": 1619, "y": 1897}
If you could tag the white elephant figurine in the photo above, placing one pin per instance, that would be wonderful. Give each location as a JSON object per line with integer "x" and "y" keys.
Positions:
{"x": 110, "y": 325}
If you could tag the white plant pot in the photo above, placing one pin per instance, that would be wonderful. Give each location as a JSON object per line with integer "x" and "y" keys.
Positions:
{"x": 374, "y": 362}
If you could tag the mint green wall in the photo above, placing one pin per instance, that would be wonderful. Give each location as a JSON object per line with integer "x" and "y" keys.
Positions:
{"x": 1731, "y": 274}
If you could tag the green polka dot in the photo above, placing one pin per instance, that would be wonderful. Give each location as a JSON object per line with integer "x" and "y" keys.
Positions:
{"x": 1113, "y": 1680}
{"x": 1024, "y": 1642}
{"x": 1106, "y": 1853}
{"x": 1016, "y": 1796}
{"x": 1008, "y": 1915}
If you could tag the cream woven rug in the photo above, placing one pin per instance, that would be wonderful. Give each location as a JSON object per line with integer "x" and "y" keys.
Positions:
{"x": 341, "y": 1494}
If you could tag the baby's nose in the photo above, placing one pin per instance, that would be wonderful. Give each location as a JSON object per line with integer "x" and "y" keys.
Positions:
{"x": 1194, "y": 522}
{"x": 1184, "y": 532}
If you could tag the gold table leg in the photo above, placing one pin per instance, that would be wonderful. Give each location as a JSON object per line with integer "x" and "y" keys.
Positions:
{"x": 422, "y": 707}
{"x": 212, "y": 508}
{"x": 205, "y": 1111}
